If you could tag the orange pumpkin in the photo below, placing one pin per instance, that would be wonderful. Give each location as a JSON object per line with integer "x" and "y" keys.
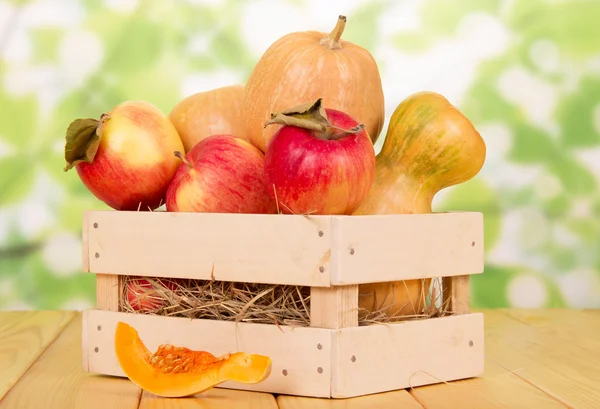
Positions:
{"x": 429, "y": 145}
{"x": 174, "y": 371}
{"x": 214, "y": 112}
{"x": 304, "y": 66}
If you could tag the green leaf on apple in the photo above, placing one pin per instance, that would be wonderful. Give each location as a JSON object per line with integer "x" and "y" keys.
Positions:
{"x": 82, "y": 141}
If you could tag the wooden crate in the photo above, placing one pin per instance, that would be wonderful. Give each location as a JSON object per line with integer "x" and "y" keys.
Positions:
{"x": 334, "y": 356}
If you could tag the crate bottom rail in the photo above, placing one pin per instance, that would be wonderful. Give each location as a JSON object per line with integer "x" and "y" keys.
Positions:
{"x": 309, "y": 361}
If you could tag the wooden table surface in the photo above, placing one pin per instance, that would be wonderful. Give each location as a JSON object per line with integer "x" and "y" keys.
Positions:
{"x": 534, "y": 359}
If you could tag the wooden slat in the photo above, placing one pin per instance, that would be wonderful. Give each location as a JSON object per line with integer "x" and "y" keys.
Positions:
{"x": 457, "y": 294}
{"x": 387, "y": 357}
{"x": 107, "y": 292}
{"x": 387, "y": 400}
{"x": 278, "y": 249}
{"x": 335, "y": 307}
{"x": 23, "y": 338}
{"x": 297, "y": 353}
{"x": 216, "y": 398}
{"x": 57, "y": 381}
{"x": 403, "y": 247}
{"x": 558, "y": 351}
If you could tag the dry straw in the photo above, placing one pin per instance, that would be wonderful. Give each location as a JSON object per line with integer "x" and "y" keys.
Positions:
{"x": 245, "y": 302}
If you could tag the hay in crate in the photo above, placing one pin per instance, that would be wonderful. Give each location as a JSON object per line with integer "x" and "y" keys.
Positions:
{"x": 244, "y": 302}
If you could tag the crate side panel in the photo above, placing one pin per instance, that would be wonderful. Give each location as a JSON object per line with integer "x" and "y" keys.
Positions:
{"x": 382, "y": 358}
{"x": 403, "y": 247}
{"x": 275, "y": 249}
{"x": 295, "y": 350}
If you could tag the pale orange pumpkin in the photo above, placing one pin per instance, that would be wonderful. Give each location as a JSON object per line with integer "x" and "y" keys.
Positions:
{"x": 305, "y": 66}
{"x": 214, "y": 112}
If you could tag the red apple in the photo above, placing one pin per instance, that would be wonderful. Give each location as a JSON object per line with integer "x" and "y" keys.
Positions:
{"x": 220, "y": 174}
{"x": 319, "y": 169}
{"x": 126, "y": 158}
{"x": 143, "y": 296}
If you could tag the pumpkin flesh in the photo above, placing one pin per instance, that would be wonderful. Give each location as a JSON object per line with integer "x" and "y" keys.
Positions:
{"x": 429, "y": 145}
{"x": 305, "y": 66}
{"x": 178, "y": 371}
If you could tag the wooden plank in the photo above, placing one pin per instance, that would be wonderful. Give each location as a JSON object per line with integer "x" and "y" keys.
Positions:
{"x": 380, "y": 358}
{"x": 108, "y": 289}
{"x": 23, "y": 338}
{"x": 503, "y": 391}
{"x": 216, "y": 398}
{"x": 277, "y": 249}
{"x": 380, "y": 248}
{"x": 387, "y": 400}
{"x": 560, "y": 355}
{"x": 457, "y": 294}
{"x": 581, "y": 327}
{"x": 301, "y": 356}
{"x": 499, "y": 387}
{"x": 335, "y": 307}
{"x": 57, "y": 381}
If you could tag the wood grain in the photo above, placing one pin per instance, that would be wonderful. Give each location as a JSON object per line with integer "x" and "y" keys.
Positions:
{"x": 378, "y": 358}
{"x": 335, "y": 307}
{"x": 57, "y": 381}
{"x": 558, "y": 351}
{"x": 221, "y": 246}
{"x": 546, "y": 359}
{"x": 388, "y": 400}
{"x": 216, "y": 398}
{"x": 23, "y": 338}
{"x": 380, "y": 248}
{"x": 108, "y": 290}
{"x": 504, "y": 391}
{"x": 457, "y": 294}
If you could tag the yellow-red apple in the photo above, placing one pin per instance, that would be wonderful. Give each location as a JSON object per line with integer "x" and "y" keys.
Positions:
{"x": 125, "y": 158}
{"x": 221, "y": 174}
{"x": 143, "y": 296}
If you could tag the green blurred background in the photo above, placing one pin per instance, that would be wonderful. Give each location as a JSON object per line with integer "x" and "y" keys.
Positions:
{"x": 527, "y": 73}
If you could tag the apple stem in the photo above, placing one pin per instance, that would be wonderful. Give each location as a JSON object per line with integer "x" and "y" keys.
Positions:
{"x": 183, "y": 159}
{"x": 333, "y": 39}
{"x": 335, "y": 136}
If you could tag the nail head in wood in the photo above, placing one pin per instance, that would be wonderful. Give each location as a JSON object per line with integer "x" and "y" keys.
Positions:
{"x": 351, "y": 251}
{"x": 95, "y": 225}
{"x": 321, "y": 269}
{"x": 284, "y": 372}
{"x": 97, "y": 255}
{"x": 320, "y": 370}
{"x": 96, "y": 349}
{"x": 353, "y": 359}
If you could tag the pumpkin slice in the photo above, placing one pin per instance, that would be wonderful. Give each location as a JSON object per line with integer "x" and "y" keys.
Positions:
{"x": 174, "y": 371}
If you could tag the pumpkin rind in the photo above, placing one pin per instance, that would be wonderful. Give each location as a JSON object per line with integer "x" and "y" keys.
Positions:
{"x": 429, "y": 145}
{"x": 178, "y": 371}
{"x": 214, "y": 112}
{"x": 298, "y": 68}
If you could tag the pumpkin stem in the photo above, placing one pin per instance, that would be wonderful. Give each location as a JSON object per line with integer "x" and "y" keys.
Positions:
{"x": 183, "y": 159}
{"x": 333, "y": 39}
